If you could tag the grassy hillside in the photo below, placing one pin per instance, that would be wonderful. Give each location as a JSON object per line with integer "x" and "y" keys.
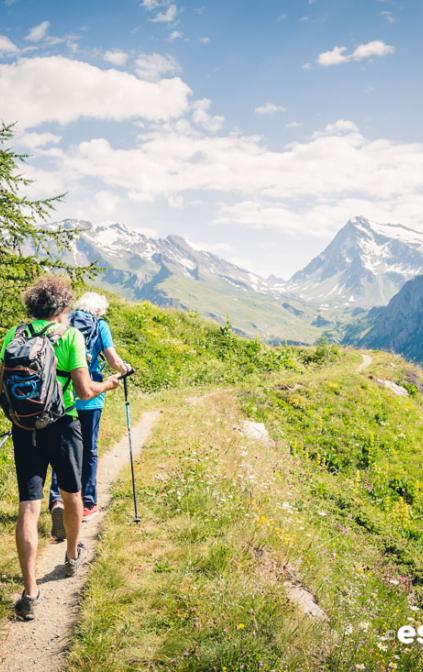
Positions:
{"x": 232, "y": 528}
{"x": 333, "y": 504}
{"x": 168, "y": 348}
{"x": 250, "y": 312}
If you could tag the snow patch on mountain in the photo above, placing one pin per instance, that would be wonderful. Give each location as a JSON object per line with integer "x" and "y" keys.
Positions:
{"x": 365, "y": 265}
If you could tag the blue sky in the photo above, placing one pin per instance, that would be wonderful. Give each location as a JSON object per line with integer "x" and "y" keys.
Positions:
{"x": 253, "y": 128}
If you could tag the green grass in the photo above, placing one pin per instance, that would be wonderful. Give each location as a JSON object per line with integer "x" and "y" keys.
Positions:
{"x": 199, "y": 586}
{"x": 169, "y": 349}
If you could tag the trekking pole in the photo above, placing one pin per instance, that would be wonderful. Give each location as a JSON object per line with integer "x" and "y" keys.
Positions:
{"x": 124, "y": 377}
{"x": 4, "y": 437}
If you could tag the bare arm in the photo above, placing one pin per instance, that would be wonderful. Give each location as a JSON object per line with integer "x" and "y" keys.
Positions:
{"x": 115, "y": 361}
{"x": 88, "y": 389}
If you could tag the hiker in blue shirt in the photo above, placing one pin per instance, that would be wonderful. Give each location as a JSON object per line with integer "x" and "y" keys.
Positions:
{"x": 89, "y": 412}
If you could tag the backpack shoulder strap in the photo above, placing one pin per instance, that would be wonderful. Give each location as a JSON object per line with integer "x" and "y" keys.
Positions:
{"x": 64, "y": 374}
{"x": 21, "y": 329}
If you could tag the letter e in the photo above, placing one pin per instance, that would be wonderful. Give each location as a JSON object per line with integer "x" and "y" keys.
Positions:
{"x": 406, "y": 634}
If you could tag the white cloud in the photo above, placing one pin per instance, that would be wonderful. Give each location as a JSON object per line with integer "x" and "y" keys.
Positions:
{"x": 339, "y": 55}
{"x": 333, "y": 57}
{"x": 39, "y": 89}
{"x": 167, "y": 16}
{"x": 7, "y": 46}
{"x": 37, "y": 33}
{"x": 340, "y": 127}
{"x": 153, "y": 66}
{"x": 115, "y": 57}
{"x": 175, "y": 35}
{"x": 269, "y": 108}
{"x": 294, "y": 124}
{"x": 107, "y": 202}
{"x": 150, "y": 4}
{"x": 375, "y": 48}
{"x": 311, "y": 186}
{"x": 205, "y": 40}
{"x": 201, "y": 116}
{"x": 36, "y": 140}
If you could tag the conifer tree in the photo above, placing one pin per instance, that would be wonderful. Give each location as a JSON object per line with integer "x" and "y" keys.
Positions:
{"x": 28, "y": 247}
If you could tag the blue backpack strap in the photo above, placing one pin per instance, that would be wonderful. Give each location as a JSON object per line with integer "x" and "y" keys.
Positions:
{"x": 101, "y": 356}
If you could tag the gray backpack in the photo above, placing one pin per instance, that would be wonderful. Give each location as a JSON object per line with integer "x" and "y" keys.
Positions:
{"x": 30, "y": 394}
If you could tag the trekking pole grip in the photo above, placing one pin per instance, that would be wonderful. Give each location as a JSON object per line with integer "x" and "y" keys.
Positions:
{"x": 128, "y": 373}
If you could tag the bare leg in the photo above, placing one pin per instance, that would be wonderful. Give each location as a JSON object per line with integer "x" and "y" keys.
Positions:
{"x": 72, "y": 518}
{"x": 27, "y": 543}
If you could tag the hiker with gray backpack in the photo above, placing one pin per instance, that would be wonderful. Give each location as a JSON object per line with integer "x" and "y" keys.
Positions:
{"x": 43, "y": 364}
{"x": 88, "y": 318}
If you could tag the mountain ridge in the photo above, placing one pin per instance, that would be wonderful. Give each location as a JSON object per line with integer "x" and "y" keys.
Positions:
{"x": 364, "y": 265}
{"x": 397, "y": 327}
{"x": 170, "y": 272}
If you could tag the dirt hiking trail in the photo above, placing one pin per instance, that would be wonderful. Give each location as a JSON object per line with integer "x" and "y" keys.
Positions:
{"x": 367, "y": 361}
{"x": 40, "y": 645}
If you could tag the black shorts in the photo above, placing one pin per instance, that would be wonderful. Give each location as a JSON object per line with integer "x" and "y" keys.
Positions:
{"x": 59, "y": 444}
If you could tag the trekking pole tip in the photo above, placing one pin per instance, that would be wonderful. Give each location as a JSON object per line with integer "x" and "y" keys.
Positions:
{"x": 137, "y": 520}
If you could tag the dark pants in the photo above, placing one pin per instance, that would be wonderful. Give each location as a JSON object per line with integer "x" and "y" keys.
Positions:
{"x": 58, "y": 444}
{"x": 90, "y": 425}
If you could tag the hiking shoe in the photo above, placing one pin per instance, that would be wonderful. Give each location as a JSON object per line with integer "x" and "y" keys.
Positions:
{"x": 72, "y": 567}
{"x": 25, "y": 607}
{"x": 57, "y": 524}
{"x": 89, "y": 512}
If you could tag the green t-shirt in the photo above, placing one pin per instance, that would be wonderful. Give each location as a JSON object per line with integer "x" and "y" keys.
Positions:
{"x": 70, "y": 353}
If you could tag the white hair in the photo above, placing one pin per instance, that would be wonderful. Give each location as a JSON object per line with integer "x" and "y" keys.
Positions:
{"x": 94, "y": 303}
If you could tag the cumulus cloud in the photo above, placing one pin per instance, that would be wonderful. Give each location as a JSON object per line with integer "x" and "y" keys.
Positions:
{"x": 7, "y": 46}
{"x": 339, "y": 55}
{"x": 36, "y": 140}
{"x": 167, "y": 16}
{"x": 38, "y": 33}
{"x": 311, "y": 186}
{"x": 294, "y": 124}
{"x": 39, "y": 88}
{"x": 153, "y": 66}
{"x": 336, "y": 161}
{"x": 269, "y": 108}
{"x": 333, "y": 57}
{"x": 375, "y": 48}
{"x": 202, "y": 117}
{"x": 115, "y": 57}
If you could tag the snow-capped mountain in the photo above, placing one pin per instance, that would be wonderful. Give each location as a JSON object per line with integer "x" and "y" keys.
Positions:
{"x": 365, "y": 265}
{"x": 129, "y": 250}
{"x": 169, "y": 271}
